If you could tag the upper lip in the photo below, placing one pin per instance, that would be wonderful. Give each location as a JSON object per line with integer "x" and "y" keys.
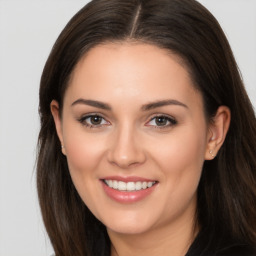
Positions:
{"x": 127, "y": 178}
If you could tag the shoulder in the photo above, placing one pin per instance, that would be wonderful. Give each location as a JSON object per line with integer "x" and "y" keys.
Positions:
{"x": 238, "y": 250}
{"x": 234, "y": 250}
{"x": 202, "y": 246}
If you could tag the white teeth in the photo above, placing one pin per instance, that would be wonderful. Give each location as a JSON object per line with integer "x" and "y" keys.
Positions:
{"x": 121, "y": 185}
{"x": 115, "y": 184}
{"x": 129, "y": 186}
{"x": 138, "y": 185}
{"x": 150, "y": 184}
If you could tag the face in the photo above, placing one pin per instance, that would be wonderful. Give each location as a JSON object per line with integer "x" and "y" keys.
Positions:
{"x": 135, "y": 136}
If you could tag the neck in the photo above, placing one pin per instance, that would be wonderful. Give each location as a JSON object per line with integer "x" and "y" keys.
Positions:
{"x": 172, "y": 239}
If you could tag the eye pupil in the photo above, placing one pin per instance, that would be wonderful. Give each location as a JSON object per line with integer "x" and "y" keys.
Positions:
{"x": 161, "y": 120}
{"x": 96, "y": 120}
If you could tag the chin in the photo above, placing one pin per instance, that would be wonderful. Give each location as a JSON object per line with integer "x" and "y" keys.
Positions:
{"x": 127, "y": 229}
{"x": 129, "y": 226}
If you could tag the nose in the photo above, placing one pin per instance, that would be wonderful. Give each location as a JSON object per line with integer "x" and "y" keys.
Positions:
{"x": 126, "y": 148}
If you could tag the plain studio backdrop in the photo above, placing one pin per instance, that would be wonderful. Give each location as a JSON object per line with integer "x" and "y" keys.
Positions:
{"x": 28, "y": 30}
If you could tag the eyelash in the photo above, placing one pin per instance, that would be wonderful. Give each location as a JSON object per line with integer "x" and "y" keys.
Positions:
{"x": 170, "y": 120}
{"x": 83, "y": 121}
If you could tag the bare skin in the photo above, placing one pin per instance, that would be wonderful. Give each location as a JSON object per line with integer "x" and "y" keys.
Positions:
{"x": 132, "y": 110}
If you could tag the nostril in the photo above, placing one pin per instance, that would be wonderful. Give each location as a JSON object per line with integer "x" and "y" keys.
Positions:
{"x": 125, "y": 162}
{"x": 124, "y": 150}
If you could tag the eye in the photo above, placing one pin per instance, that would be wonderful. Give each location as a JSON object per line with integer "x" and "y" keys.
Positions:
{"x": 162, "y": 121}
{"x": 93, "y": 121}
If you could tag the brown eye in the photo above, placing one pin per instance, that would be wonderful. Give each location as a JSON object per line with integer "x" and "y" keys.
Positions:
{"x": 95, "y": 120}
{"x": 162, "y": 122}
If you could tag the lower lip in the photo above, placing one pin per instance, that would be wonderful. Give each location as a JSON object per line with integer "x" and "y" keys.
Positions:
{"x": 126, "y": 196}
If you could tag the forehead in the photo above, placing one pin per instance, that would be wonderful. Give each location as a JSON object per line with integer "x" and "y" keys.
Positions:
{"x": 131, "y": 71}
{"x": 117, "y": 56}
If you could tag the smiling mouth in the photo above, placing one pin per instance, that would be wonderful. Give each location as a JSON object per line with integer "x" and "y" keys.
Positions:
{"x": 129, "y": 186}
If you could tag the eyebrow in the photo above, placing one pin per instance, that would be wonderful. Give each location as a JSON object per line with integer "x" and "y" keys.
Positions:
{"x": 162, "y": 103}
{"x": 146, "y": 107}
{"x": 93, "y": 103}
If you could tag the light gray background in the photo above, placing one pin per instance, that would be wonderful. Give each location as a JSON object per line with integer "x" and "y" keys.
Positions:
{"x": 28, "y": 30}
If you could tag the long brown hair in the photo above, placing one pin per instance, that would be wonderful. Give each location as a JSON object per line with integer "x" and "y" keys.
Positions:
{"x": 227, "y": 190}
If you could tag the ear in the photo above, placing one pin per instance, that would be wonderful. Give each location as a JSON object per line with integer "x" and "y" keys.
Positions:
{"x": 58, "y": 124}
{"x": 218, "y": 129}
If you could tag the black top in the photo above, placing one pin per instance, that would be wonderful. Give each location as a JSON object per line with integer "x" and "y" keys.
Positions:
{"x": 205, "y": 244}
{"x": 222, "y": 248}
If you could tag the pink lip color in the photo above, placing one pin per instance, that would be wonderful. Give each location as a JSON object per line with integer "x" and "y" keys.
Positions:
{"x": 127, "y": 196}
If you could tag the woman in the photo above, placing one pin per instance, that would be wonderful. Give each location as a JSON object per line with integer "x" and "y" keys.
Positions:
{"x": 147, "y": 140}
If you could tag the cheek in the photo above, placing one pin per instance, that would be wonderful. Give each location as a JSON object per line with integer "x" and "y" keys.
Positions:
{"x": 82, "y": 148}
{"x": 182, "y": 147}
{"x": 181, "y": 157}
{"x": 82, "y": 155}
{"x": 83, "y": 151}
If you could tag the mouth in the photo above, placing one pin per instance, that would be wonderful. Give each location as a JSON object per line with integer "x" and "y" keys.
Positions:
{"x": 126, "y": 190}
{"x": 129, "y": 186}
